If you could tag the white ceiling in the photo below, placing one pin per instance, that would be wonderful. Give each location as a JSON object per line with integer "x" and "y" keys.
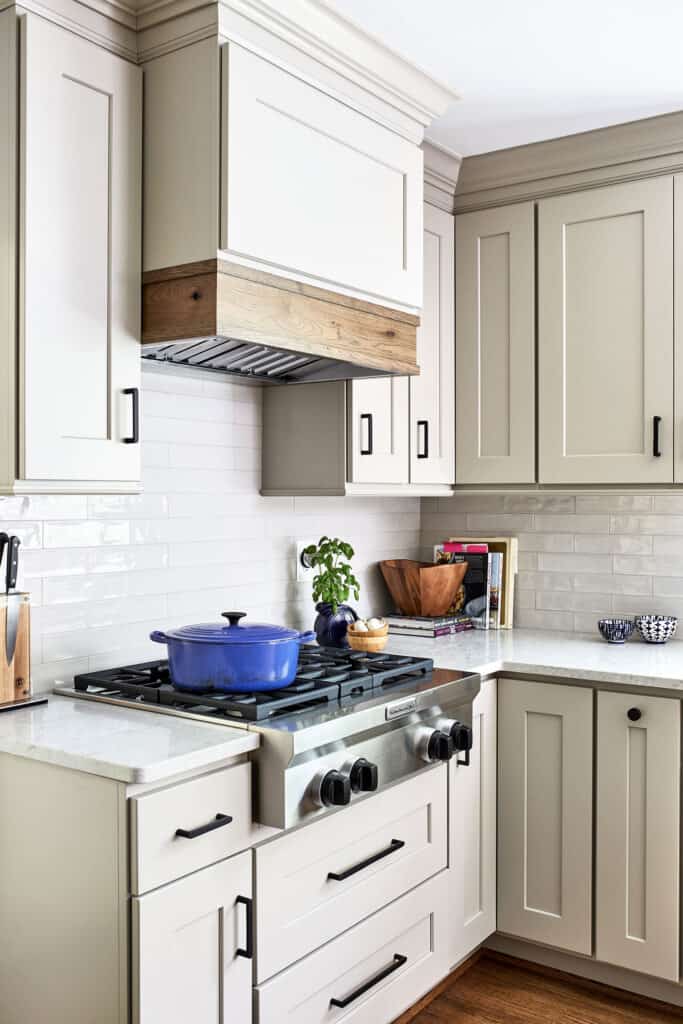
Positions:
{"x": 535, "y": 69}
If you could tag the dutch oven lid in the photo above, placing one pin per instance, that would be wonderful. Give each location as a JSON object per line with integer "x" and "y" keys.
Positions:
{"x": 219, "y": 633}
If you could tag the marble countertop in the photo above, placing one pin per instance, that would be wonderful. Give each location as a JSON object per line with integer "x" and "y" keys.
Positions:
{"x": 580, "y": 656}
{"x": 119, "y": 743}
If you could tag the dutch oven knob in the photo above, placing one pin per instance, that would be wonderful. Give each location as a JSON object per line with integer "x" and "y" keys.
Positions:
{"x": 233, "y": 617}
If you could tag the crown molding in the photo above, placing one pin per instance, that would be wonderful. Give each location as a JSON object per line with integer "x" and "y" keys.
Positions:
{"x": 441, "y": 172}
{"x": 621, "y": 152}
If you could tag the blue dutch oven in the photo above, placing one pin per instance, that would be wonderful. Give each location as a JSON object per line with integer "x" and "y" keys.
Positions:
{"x": 233, "y": 658}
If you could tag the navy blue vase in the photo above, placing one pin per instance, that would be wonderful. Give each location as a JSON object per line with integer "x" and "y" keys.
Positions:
{"x": 330, "y": 627}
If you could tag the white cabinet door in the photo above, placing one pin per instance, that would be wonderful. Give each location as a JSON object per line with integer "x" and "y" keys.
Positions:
{"x": 545, "y": 827}
{"x": 495, "y": 345}
{"x": 378, "y": 431}
{"x": 472, "y": 831}
{"x": 187, "y": 939}
{"x": 313, "y": 188}
{"x": 638, "y": 833}
{"x": 605, "y": 335}
{"x": 80, "y": 322}
{"x": 432, "y": 394}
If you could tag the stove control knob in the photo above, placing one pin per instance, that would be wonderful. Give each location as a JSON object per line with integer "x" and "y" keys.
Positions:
{"x": 335, "y": 790}
{"x": 433, "y": 745}
{"x": 440, "y": 746}
{"x": 461, "y": 735}
{"x": 364, "y": 776}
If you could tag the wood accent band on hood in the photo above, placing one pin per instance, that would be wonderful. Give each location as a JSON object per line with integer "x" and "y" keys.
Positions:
{"x": 217, "y": 298}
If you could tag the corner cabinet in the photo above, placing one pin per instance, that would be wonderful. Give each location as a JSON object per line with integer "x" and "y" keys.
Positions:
{"x": 383, "y": 435}
{"x": 495, "y": 346}
{"x": 638, "y": 828}
{"x": 71, "y": 294}
{"x": 605, "y": 332}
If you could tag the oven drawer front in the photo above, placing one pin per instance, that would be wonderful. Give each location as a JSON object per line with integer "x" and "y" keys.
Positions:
{"x": 382, "y": 847}
{"x": 159, "y": 854}
{"x": 375, "y": 971}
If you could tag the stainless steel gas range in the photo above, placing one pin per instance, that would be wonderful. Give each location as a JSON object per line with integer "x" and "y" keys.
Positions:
{"x": 349, "y": 724}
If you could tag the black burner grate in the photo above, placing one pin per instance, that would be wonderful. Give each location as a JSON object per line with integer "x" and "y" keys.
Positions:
{"x": 323, "y": 675}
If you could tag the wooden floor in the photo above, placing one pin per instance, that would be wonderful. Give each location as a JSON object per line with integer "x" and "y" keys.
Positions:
{"x": 505, "y": 991}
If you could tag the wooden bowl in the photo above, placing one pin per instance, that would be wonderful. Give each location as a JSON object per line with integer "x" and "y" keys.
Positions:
{"x": 420, "y": 588}
{"x": 372, "y": 640}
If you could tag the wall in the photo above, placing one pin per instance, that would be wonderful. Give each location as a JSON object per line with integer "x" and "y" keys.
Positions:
{"x": 105, "y": 570}
{"x": 582, "y": 556}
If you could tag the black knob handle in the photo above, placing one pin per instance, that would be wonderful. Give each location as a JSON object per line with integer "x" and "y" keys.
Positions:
{"x": 461, "y": 736}
{"x": 233, "y": 617}
{"x": 364, "y": 776}
{"x": 335, "y": 789}
{"x": 440, "y": 746}
{"x": 635, "y": 714}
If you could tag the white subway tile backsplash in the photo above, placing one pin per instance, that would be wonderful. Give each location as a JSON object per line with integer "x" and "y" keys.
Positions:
{"x": 582, "y": 555}
{"x": 104, "y": 570}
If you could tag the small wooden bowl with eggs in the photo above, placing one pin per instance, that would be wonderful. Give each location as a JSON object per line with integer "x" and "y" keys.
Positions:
{"x": 368, "y": 635}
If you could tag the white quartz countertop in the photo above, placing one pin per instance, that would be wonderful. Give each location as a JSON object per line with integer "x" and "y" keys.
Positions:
{"x": 579, "y": 656}
{"x": 118, "y": 743}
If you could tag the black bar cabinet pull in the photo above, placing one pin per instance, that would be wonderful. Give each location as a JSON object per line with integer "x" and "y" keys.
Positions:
{"x": 398, "y": 961}
{"x": 396, "y": 844}
{"x": 424, "y": 424}
{"x": 656, "y": 420}
{"x": 135, "y": 436}
{"x": 194, "y": 833}
{"x": 366, "y": 416}
{"x": 248, "y": 951}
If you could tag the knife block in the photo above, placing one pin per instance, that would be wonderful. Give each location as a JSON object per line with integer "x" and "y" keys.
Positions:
{"x": 15, "y": 679}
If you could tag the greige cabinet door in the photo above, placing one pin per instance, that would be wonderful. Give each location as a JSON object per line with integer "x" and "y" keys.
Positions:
{"x": 432, "y": 394}
{"x": 545, "y": 819}
{"x": 80, "y": 210}
{"x": 495, "y": 344}
{"x": 378, "y": 413}
{"x": 472, "y": 836}
{"x": 638, "y": 833}
{"x": 605, "y": 335}
{"x": 678, "y": 325}
{"x": 185, "y": 939}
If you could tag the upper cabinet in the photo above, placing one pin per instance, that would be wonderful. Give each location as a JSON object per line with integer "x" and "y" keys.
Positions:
{"x": 605, "y": 335}
{"x": 391, "y": 435}
{"x": 495, "y": 331}
{"x": 70, "y": 165}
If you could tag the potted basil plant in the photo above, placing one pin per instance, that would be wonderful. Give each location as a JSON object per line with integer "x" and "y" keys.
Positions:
{"x": 333, "y": 584}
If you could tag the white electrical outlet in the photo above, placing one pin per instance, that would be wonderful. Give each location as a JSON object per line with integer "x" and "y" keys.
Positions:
{"x": 304, "y": 573}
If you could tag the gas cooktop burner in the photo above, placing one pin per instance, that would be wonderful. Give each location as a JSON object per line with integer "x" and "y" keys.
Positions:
{"x": 323, "y": 675}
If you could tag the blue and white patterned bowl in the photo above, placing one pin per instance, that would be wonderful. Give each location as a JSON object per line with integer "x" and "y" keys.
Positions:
{"x": 616, "y": 631}
{"x": 656, "y": 629}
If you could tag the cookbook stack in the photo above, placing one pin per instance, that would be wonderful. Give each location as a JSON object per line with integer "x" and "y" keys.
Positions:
{"x": 486, "y": 596}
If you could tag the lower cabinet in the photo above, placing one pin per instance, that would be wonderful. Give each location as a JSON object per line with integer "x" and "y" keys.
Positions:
{"x": 472, "y": 832}
{"x": 545, "y": 814}
{"x": 637, "y": 833}
{"x": 191, "y": 943}
{"x": 370, "y": 974}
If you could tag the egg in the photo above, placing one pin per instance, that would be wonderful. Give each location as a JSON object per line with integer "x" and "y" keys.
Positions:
{"x": 375, "y": 623}
{"x": 360, "y": 626}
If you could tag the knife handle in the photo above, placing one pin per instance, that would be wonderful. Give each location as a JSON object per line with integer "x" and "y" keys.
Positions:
{"x": 12, "y": 563}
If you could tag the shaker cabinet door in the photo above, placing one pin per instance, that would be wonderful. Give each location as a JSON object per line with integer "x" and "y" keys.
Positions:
{"x": 495, "y": 344}
{"x": 378, "y": 431}
{"x": 605, "y": 335}
{"x": 545, "y": 826}
{"x": 638, "y": 833}
{"x": 186, "y": 939}
{"x": 472, "y": 832}
{"x": 80, "y": 323}
{"x": 432, "y": 393}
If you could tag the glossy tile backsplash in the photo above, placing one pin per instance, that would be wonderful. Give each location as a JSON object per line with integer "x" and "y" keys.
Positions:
{"x": 103, "y": 570}
{"x": 582, "y": 556}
